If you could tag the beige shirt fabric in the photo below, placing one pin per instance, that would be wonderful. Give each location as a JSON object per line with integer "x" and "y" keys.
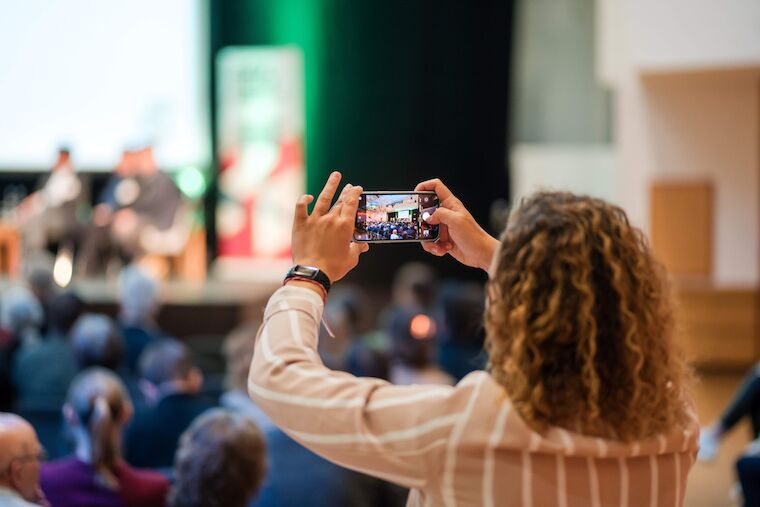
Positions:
{"x": 454, "y": 446}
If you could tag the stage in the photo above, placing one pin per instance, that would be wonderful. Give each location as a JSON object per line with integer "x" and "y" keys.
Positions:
{"x": 231, "y": 294}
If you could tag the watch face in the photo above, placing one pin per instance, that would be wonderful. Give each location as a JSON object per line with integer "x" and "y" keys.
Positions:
{"x": 306, "y": 271}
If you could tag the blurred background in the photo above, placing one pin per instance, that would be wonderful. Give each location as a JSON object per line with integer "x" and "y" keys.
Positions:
{"x": 176, "y": 136}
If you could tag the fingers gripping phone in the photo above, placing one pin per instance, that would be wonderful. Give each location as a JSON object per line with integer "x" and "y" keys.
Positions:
{"x": 394, "y": 217}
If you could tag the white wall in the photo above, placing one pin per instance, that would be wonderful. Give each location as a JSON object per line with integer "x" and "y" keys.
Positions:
{"x": 692, "y": 34}
{"x": 677, "y": 125}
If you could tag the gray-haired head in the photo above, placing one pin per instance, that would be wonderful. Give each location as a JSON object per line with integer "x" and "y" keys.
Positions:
{"x": 21, "y": 313}
{"x": 138, "y": 294}
{"x": 97, "y": 342}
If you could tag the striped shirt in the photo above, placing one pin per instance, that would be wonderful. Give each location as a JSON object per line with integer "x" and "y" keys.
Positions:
{"x": 453, "y": 446}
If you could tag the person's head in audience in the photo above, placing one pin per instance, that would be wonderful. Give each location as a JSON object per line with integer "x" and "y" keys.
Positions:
{"x": 167, "y": 368}
{"x": 38, "y": 272}
{"x": 21, "y": 314}
{"x": 20, "y": 458}
{"x": 97, "y": 342}
{"x": 461, "y": 307}
{"x": 579, "y": 322}
{"x": 96, "y": 410}
{"x": 414, "y": 284}
{"x": 345, "y": 310}
{"x": 138, "y": 296}
{"x": 63, "y": 312}
{"x": 238, "y": 351}
{"x": 412, "y": 337}
{"x": 221, "y": 462}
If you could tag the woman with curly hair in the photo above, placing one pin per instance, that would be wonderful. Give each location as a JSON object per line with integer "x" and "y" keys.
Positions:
{"x": 586, "y": 400}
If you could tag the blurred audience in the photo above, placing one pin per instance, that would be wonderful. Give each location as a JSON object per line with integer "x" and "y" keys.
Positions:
{"x": 745, "y": 404}
{"x": 414, "y": 284}
{"x": 97, "y": 342}
{"x": 139, "y": 303}
{"x": 97, "y": 409}
{"x": 172, "y": 384}
{"x": 43, "y": 369}
{"x": 21, "y": 318}
{"x": 296, "y": 475}
{"x": 20, "y": 457}
{"x": 462, "y": 335}
{"x": 414, "y": 349}
{"x": 38, "y": 273}
{"x": 221, "y": 462}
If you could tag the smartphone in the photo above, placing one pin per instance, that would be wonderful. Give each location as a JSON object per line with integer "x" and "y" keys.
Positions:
{"x": 395, "y": 217}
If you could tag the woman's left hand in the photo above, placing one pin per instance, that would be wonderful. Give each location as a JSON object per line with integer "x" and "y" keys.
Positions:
{"x": 324, "y": 238}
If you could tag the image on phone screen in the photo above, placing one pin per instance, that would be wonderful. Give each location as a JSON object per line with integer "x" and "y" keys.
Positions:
{"x": 395, "y": 216}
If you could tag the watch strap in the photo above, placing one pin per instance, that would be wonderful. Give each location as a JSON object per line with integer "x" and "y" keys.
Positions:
{"x": 309, "y": 273}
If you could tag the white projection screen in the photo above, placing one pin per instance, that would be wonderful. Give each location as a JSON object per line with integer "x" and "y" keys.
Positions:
{"x": 99, "y": 75}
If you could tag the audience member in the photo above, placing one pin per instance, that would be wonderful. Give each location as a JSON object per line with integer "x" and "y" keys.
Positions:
{"x": 21, "y": 317}
{"x": 96, "y": 410}
{"x": 344, "y": 313}
{"x": 296, "y": 475}
{"x": 97, "y": 342}
{"x": 173, "y": 385}
{"x": 139, "y": 302}
{"x": 585, "y": 379}
{"x": 20, "y": 458}
{"x": 38, "y": 272}
{"x": 745, "y": 404}
{"x": 462, "y": 335}
{"x": 414, "y": 285}
{"x": 43, "y": 369}
{"x": 413, "y": 349}
{"x": 221, "y": 462}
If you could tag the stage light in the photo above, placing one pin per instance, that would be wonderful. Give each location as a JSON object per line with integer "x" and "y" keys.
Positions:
{"x": 63, "y": 268}
{"x": 422, "y": 327}
{"x": 191, "y": 182}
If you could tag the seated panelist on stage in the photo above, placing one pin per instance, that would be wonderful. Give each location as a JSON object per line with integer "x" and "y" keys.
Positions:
{"x": 137, "y": 198}
{"x": 49, "y": 214}
{"x": 586, "y": 400}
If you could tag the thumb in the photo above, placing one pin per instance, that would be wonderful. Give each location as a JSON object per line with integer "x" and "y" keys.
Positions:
{"x": 442, "y": 216}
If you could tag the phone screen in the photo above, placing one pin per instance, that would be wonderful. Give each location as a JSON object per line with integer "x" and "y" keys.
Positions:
{"x": 395, "y": 216}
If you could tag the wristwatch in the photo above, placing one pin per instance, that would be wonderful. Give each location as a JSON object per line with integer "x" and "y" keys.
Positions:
{"x": 310, "y": 273}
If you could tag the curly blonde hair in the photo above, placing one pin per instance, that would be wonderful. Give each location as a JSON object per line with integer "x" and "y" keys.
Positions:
{"x": 580, "y": 322}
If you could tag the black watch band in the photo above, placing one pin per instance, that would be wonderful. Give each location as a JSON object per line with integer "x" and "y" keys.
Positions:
{"x": 310, "y": 273}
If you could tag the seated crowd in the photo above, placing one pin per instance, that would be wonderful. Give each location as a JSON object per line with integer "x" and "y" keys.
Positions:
{"x": 400, "y": 229}
{"x": 120, "y": 407}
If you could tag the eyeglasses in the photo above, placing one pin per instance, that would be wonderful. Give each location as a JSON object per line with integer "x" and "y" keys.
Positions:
{"x": 40, "y": 456}
{"x": 37, "y": 456}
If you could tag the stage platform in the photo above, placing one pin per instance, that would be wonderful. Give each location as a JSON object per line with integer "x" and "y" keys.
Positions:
{"x": 190, "y": 309}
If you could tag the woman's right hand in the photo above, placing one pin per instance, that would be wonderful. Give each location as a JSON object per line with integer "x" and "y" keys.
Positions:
{"x": 459, "y": 233}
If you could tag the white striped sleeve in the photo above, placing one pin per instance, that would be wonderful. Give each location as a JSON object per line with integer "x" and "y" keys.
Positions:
{"x": 394, "y": 432}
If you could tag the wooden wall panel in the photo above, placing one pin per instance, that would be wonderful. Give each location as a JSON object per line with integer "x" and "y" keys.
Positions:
{"x": 681, "y": 226}
{"x": 719, "y": 327}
